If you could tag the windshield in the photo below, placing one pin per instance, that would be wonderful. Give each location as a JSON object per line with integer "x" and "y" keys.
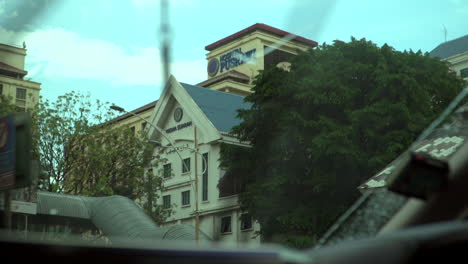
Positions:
{"x": 241, "y": 123}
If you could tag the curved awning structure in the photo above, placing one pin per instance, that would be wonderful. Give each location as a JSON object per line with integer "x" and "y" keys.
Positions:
{"x": 116, "y": 216}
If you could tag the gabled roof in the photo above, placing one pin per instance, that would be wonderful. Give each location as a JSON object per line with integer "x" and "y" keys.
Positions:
{"x": 450, "y": 48}
{"x": 264, "y": 28}
{"x": 219, "y": 107}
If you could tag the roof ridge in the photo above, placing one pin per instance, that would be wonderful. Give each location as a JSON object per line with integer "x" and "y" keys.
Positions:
{"x": 455, "y": 39}
{"x": 260, "y": 27}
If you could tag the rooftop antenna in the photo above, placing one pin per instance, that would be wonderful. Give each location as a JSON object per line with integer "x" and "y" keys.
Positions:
{"x": 445, "y": 33}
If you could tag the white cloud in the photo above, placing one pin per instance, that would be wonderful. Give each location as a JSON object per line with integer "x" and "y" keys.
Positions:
{"x": 57, "y": 53}
{"x": 462, "y": 9}
{"x": 2, "y": 7}
{"x": 191, "y": 72}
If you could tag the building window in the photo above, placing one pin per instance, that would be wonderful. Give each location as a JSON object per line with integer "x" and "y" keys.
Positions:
{"x": 226, "y": 225}
{"x": 186, "y": 198}
{"x": 1, "y": 89}
{"x": 167, "y": 170}
{"x": 21, "y": 98}
{"x": 21, "y": 93}
{"x": 166, "y": 201}
{"x": 464, "y": 73}
{"x": 143, "y": 126}
{"x": 246, "y": 222}
{"x": 205, "y": 177}
{"x": 185, "y": 165}
{"x": 133, "y": 130}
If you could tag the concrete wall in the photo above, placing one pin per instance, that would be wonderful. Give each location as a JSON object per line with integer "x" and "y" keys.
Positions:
{"x": 12, "y": 56}
{"x": 11, "y": 84}
{"x": 136, "y": 122}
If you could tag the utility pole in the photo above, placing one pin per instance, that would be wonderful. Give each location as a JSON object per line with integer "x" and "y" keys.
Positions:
{"x": 197, "y": 219}
{"x": 7, "y": 210}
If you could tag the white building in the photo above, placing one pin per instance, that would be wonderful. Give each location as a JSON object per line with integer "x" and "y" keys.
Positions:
{"x": 200, "y": 117}
{"x": 194, "y": 117}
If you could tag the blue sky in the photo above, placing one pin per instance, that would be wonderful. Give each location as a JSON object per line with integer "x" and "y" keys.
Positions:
{"x": 110, "y": 48}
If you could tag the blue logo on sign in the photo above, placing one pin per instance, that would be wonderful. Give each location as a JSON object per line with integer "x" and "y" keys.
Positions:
{"x": 213, "y": 67}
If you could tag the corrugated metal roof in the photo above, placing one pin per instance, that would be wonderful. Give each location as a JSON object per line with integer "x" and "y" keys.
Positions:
{"x": 451, "y": 48}
{"x": 220, "y": 107}
{"x": 121, "y": 217}
{"x": 181, "y": 232}
{"x": 116, "y": 216}
{"x": 62, "y": 205}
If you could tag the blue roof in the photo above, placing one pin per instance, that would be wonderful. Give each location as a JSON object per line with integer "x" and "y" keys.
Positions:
{"x": 219, "y": 107}
{"x": 451, "y": 48}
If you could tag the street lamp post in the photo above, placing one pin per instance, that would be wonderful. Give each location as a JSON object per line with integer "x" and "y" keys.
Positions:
{"x": 122, "y": 110}
{"x": 197, "y": 219}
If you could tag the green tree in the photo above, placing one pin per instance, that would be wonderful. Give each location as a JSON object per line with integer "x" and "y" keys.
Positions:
{"x": 81, "y": 152}
{"x": 340, "y": 114}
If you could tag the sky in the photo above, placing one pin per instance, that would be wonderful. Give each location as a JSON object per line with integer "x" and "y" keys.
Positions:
{"x": 111, "y": 48}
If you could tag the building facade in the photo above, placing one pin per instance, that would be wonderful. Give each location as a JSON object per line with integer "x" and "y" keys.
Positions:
{"x": 234, "y": 61}
{"x": 136, "y": 120}
{"x": 194, "y": 121}
{"x": 13, "y": 84}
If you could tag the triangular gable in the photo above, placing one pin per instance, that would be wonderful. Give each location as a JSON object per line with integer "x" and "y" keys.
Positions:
{"x": 175, "y": 96}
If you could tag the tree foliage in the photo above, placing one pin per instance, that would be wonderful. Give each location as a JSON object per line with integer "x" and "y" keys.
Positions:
{"x": 340, "y": 114}
{"x": 81, "y": 152}
{"x": 6, "y": 106}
